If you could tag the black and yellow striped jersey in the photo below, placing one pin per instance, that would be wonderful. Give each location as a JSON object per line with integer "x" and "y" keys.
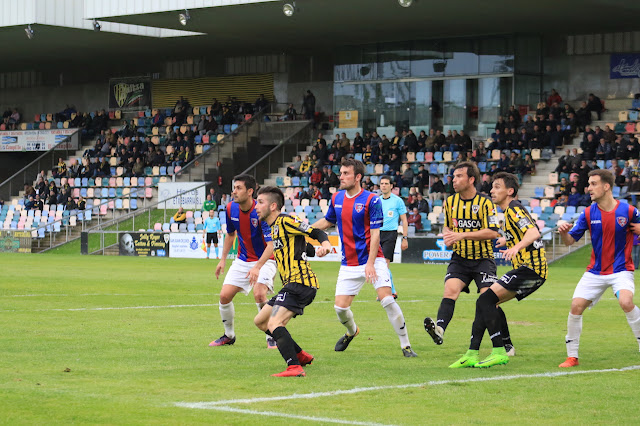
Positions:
{"x": 517, "y": 221}
{"x": 471, "y": 215}
{"x": 289, "y": 250}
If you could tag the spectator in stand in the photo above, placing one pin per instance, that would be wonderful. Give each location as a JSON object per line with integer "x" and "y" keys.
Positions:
{"x": 492, "y": 171}
{"x": 38, "y": 204}
{"x": 14, "y": 119}
{"x": 82, "y": 204}
{"x": 429, "y": 144}
{"x": 30, "y": 203}
{"x": 260, "y": 103}
{"x": 414, "y": 219}
{"x": 603, "y": 152}
{"x": 480, "y": 153}
{"x": 290, "y": 114}
{"x": 138, "y": 168}
{"x": 562, "y": 188}
{"x": 583, "y": 115}
{"x": 514, "y": 114}
{"x": 448, "y": 187}
{"x": 188, "y": 155}
{"x": 344, "y": 146}
{"x": 60, "y": 170}
{"x": 421, "y": 204}
{"x": 309, "y": 105}
{"x": 358, "y": 143}
{"x": 529, "y": 166}
{"x": 554, "y": 97}
{"x": 305, "y": 166}
{"x": 294, "y": 169}
{"x": 422, "y": 179}
{"x": 594, "y": 104}
{"x": 542, "y": 110}
{"x": 500, "y": 125}
{"x": 408, "y": 176}
{"x": 316, "y": 177}
{"x": 485, "y": 188}
{"x": 503, "y": 162}
{"x": 71, "y": 204}
{"x": 315, "y": 193}
{"x": 180, "y": 216}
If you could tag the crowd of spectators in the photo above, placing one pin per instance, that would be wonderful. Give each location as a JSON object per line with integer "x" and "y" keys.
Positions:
{"x": 11, "y": 118}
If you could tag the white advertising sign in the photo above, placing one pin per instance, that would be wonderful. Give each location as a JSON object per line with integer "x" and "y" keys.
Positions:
{"x": 187, "y": 244}
{"x": 37, "y": 140}
{"x": 190, "y": 199}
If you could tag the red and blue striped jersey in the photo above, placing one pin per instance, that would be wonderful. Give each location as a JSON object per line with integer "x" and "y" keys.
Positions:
{"x": 355, "y": 217}
{"x": 611, "y": 237}
{"x": 253, "y": 234}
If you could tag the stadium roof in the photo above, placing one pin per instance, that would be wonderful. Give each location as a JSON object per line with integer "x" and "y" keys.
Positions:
{"x": 241, "y": 27}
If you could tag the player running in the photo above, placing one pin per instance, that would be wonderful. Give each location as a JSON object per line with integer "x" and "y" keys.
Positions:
{"x": 210, "y": 233}
{"x": 358, "y": 215}
{"x": 393, "y": 210}
{"x": 526, "y": 252}
{"x": 611, "y": 223}
{"x": 471, "y": 222}
{"x": 299, "y": 281}
{"x": 254, "y": 266}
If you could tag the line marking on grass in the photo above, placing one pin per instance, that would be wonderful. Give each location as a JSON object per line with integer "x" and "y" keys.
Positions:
{"x": 223, "y": 403}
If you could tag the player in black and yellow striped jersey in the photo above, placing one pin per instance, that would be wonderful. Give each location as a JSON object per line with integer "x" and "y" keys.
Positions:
{"x": 299, "y": 281}
{"x": 470, "y": 226}
{"x": 525, "y": 249}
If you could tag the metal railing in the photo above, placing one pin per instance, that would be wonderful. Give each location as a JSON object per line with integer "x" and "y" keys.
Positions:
{"x": 47, "y": 161}
{"x": 95, "y": 236}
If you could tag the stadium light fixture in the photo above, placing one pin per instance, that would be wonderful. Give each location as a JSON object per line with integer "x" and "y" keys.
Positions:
{"x": 184, "y": 18}
{"x": 405, "y": 3}
{"x": 289, "y": 9}
{"x": 29, "y": 32}
{"x": 96, "y": 26}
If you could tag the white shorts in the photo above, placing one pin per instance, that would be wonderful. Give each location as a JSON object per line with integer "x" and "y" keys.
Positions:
{"x": 352, "y": 278}
{"x": 237, "y": 274}
{"x": 592, "y": 286}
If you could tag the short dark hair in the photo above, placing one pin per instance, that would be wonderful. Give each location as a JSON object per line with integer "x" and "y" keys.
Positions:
{"x": 605, "y": 176}
{"x": 510, "y": 181}
{"x": 248, "y": 181}
{"x": 472, "y": 170}
{"x": 275, "y": 195}
{"x": 386, "y": 178}
{"x": 358, "y": 166}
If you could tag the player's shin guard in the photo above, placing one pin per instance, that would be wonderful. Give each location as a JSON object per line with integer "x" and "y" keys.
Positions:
{"x": 396, "y": 318}
{"x": 445, "y": 312}
{"x": 574, "y": 329}
{"x": 487, "y": 304}
{"x": 286, "y": 345}
{"x": 227, "y": 313}
{"x": 633, "y": 318}
{"x": 477, "y": 329}
{"x": 345, "y": 316}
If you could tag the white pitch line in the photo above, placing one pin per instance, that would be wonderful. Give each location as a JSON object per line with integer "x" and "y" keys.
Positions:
{"x": 287, "y": 415}
{"x": 217, "y": 404}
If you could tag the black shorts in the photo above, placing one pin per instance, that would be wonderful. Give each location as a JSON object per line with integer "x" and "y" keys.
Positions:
{"x": 388, "y": 243}
{"x": 523, "y": 281}
{"x": 212, "y": 237}
{"x": 483, "y": 271}
{"x": 295, "y": 297}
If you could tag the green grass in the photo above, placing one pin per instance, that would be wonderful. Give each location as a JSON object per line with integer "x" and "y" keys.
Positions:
{"x": 130, "y": 366}
{"x": 141, "y": 222}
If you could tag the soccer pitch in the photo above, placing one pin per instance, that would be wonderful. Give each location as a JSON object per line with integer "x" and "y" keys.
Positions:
{"x": 124, "y": 340}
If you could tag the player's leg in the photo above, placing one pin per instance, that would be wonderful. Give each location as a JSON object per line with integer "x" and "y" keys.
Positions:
{"x": 227, "y": 314}
{"x": 350, "y": 281}
{"x": 394, "y": 313}
{"x": 394, "y": 293}
{"x": 388, "y": 246}
{"x": 632, "y": 312}
{"x": 214, "y": 240}
{"x": 208, "y": 247}
{"x": 262, "y": 288}
{"x": 453, "y": 286}
{"x": 587, "y": 293}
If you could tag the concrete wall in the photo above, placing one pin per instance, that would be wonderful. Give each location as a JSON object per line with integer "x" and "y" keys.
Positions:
{"x": 574, "y": 77}
{"x": 38, "y": 100}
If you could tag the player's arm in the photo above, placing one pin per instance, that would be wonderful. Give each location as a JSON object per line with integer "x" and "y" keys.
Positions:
{"x": 254, "y": 272}
{"x": 296, "y": 227}
{"x": 322, "y": 224}
{"x": 570, "y": 233}
{"x": 375, "y": 222}
{"x": 226, "y": 248}
{"x": 405, "y": 229}
{"x": 528, "y": 238}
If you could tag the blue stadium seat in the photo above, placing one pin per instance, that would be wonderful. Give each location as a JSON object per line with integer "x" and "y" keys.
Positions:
{"x": 433, "y": 168}
{"x": 84, "y": 182}
{"x": 437, "y": 156}
{"x": 539, "y": 192}
{"x": 133, "y": 204}
{"x": 420, "y": 157}
{"x": 279, "y": 181}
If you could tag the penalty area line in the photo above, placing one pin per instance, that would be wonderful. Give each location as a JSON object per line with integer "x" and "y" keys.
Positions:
{"x": 224, "y": 403}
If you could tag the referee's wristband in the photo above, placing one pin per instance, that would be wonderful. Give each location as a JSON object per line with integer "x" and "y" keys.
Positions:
{"x": 404, "y": 237}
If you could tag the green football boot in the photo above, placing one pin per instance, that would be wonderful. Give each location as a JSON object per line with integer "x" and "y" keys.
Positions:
{"x": 468, "y": 360}
{"x": 498, "y": 356}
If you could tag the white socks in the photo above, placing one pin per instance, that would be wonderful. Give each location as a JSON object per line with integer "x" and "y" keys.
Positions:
{"x": 396, "y": 318}
{"x": 633, "y": 318}
{"x": 227, "y": 312}
{"x": 345, "y": 316}
{"x": 574, "y": 329}
{"x": 260, "y": 305}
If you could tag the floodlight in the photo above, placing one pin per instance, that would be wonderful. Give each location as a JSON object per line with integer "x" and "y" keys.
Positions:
{"x": 29, "y": 32}
{"x": 405, "y": 3}
{"x": 184, "y": 17}
{"x": 289, "y": 9}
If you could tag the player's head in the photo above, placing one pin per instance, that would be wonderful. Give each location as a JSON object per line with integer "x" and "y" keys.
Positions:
{"x": 211, "y": 213}
{"x": 600, "y": 184}
{"x": 505, "y": 186}
{"x": 385, "y": 184}
{"x": 465, "y": 176}
{"x": 351, "y": 173}
{"x": 243, "y": 188}
{"x": 270, "y": 200}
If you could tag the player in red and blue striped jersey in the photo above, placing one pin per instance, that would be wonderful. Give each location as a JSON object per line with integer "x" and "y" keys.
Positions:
{"x": 254, "y": 267}
{"x": 611, "y": 224}
{"x": 358, "y": 216}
